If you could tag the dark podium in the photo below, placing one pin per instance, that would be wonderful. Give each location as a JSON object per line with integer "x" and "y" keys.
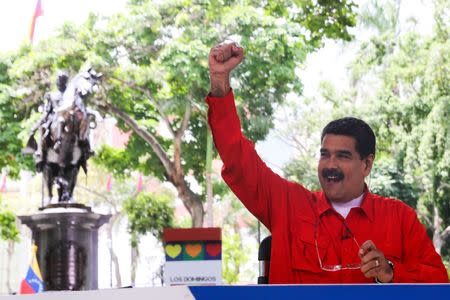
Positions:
{"x": 67, "y": 238}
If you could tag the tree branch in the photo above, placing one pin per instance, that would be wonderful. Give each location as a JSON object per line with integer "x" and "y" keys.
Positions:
{"x": 133, "y": 85}
{"x": 142, "y": 132}
{"x": 100, "y": 195}
{"x": 444, "y": 185}
{"x": 446, "y": 233}
{"x": 185, "y": 122}
{"x": 179, "y": 136}
{"x": 299, "y": 145}
{"x": 437, "y": 221}
{"x": 425, "y": 218}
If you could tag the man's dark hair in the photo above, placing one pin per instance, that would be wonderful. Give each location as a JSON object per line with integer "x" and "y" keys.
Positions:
{"x": 356, "y": 128}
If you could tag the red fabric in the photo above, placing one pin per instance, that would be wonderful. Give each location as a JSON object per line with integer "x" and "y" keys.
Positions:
{"x": 37, "y": 13}
{"x": 109, "y": 183}
{"x": 191, "y": 234}
{"x": 25, "y": 288}
{"x": 291, "y": 212}
{"x": 140, "y": 184}
{"x": 3, "y": 186}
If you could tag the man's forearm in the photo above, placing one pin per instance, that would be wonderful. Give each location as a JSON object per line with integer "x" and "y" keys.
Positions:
{"x": 220, "y": 86}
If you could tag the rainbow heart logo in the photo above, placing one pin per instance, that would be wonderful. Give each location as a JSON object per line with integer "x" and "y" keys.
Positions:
{"x": 173, "y": 250}
{"x": 213, "y": 250}
{"x": 193, "y": 250}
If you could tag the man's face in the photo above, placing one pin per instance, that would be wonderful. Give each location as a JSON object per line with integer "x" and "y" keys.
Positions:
{"x": 341, "y": 170}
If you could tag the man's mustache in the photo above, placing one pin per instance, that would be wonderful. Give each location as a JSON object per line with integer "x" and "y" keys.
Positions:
{"x": 327, "y": 173}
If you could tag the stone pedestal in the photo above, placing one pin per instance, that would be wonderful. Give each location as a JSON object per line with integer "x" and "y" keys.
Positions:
{"x": 67, "y": 238}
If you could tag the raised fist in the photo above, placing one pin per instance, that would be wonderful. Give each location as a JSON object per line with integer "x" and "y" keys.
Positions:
{"x": 223, "y": 58}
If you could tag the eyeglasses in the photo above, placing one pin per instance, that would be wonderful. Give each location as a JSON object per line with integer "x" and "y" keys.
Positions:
{"x": 334, "y": 268}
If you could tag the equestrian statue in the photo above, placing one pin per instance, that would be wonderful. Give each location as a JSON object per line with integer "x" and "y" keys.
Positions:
{"x": 64, "y": 129}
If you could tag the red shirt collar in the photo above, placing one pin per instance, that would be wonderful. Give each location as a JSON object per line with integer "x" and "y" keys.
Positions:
{"x": 367, "y": 205}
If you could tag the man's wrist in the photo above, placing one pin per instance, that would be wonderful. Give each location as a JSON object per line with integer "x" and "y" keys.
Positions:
{"x": 391, "y": 265}
{"x": 220, "y": 87}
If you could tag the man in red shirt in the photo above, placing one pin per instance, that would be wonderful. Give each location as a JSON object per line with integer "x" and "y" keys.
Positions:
{"x": 342, "y": 234}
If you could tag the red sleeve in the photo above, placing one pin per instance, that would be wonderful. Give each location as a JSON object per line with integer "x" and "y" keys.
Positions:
{"x": 255, "y": 184}
{"x": 421, "y": 262}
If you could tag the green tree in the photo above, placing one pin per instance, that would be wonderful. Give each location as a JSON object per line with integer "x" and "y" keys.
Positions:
{"x": 154, "y": 57}
{"x": 413, "y": 105}
{"x": 10, "y": 122}
{"x": 147, "y": 213}
{"x": 234, "y": 255}
{"x": 8, "y": 228}
{"x": 239, "y": 236}
{"x": 10, "y": 234}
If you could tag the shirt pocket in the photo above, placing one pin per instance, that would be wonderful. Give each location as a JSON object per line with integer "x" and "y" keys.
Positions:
{"x": 392, "y": 253}
{"x": 305, "y": 255}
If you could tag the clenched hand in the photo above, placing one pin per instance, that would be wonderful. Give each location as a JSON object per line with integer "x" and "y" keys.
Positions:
{"x": 223, "y": 58}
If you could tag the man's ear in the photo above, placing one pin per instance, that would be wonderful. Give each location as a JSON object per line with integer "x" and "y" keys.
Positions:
{"x": 368, "y": 161}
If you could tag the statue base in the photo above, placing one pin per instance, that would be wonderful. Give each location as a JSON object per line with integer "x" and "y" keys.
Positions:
{"x": 65, "y": 205}
{"x": 67, "y": 238}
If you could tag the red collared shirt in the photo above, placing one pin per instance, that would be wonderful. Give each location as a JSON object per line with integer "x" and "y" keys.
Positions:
{"x": 297, "y": 217}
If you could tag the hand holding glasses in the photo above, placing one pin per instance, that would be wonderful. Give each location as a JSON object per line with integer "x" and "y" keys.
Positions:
{"x": 373, "y": 263}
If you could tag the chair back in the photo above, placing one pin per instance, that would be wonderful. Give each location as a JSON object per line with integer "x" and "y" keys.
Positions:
{"x": 265, "y": 248}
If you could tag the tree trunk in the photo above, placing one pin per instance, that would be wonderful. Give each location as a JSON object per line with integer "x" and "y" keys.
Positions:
{"x": 437, "y": 241}
{"x": 10, "y": 252}
{"x": 191, "y": 201}
{"x": 112, "y": 253}
{"x": 209, "y": 184}
{"x": 209, "y": 200}
{"x": 439, "y": 237}
{"x": 134, "y": 260}
{"x": 174, "y": 171}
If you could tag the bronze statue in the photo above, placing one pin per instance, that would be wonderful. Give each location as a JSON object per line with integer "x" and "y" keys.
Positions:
{"x": 64, "y": 133}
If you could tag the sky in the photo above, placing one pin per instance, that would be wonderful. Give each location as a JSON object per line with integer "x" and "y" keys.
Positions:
{"x": 16, "y": 16}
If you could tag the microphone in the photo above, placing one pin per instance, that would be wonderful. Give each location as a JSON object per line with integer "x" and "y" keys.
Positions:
{"x": 264, "y": 259}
